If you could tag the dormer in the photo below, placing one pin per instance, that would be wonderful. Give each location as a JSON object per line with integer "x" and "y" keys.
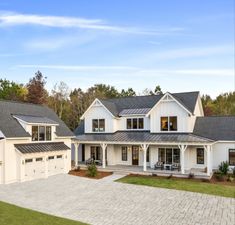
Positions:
{"x": 41, "y": 129}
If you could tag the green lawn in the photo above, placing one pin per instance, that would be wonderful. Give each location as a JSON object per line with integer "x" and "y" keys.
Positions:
{"x": 14, "y": 215}
{"x": 181, "y": 184}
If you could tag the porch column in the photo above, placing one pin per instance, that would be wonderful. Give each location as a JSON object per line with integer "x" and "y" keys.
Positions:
{"x": 182, "y": 150}
{"x": 76, "y": 146}
{"x": 144, "y": 148}
{"x": 208, "y": 154}
{"x": 103, "y": 146}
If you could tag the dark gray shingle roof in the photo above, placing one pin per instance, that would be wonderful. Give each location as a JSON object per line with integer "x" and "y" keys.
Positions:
{"x": 142, "y": 137}
{"x": 10, "y": 127}
{"x": 116, "y": 105}
{"x": 36, "y": 119}
{"x": 216, "y": 127}
{"x": 41, "y": 147}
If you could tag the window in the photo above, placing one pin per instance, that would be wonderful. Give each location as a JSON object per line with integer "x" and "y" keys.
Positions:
{"x": 169, "y": 155}
{"x": 95, "y": 152}
{"x": 41, "y": 133}
{"x": 135, "y": 123}
{"x": 161, "y": 155}
{"x": 124, "y": 153}
{"x": 38, "y": 159}
{"x": 98, "y": 125}
{"x": 34, "y": 133}
{"x": 28, "y": 160}
{"x": 147, "y": 155}
{"x": 176, "y": 155}
{"x": 200, "y": 155}
{"x": 231, "y": 157}
{"x": 169, "y": 123}
{"x": 51, "y": 157}
{"x": 59, "y": 156}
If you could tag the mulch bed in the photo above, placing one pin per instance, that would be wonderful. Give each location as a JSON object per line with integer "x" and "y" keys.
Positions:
{"x": 213, "y": 180}
{"x": 83, "y": 173}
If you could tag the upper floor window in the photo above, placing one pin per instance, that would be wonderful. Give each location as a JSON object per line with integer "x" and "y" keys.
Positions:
{"x": 98, "y": 125}
{"x": 41, "y": 133}
{"x": 169, "y": 123}
{"x": 135, "y": 123}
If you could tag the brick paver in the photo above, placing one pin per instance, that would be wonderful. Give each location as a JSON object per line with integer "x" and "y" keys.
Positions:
{"x": 102, "y": 202}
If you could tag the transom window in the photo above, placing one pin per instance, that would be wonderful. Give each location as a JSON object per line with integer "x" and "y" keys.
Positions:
{"x": 28, "y": 160}
{"x": 38, "y": 159}
{"x": 169, "y": 155}
{"x": 124, "y": 153}
{"x": 41, "y": 133}
{"x": 169, "y": 123}
{"x": 135, "y": 123}
{"x": 200, "y": 155}
{"x": 98, "y": 125}
{"x": 231, "y": 157}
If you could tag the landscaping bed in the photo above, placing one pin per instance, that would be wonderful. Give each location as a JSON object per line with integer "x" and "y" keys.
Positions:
{"x": 213, "y": 187}
{"x": 84, "y": 173}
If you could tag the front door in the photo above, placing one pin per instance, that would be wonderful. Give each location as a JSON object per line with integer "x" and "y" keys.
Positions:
{"x": 135, "y": 155}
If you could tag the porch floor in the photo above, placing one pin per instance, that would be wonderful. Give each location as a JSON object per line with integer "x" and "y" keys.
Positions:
{"x": 129, "y": 169}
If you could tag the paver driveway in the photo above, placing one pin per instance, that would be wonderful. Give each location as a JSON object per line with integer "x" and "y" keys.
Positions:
{"x": 104, "y": 202}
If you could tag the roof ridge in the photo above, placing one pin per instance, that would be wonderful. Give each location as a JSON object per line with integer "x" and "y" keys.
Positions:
{"x": 21, "y": 102}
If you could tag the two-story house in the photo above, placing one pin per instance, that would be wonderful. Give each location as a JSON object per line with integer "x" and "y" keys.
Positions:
{"x": 150, "y": 131}
{"x": 34, "y": 142}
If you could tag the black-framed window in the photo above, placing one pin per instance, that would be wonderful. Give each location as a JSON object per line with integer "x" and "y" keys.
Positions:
{"x": 200, "y": 156}
{"x": 134, "y": 123}
{"x": 147, "y": 155}
{"x": 169, "y": 123}
{"x": 38, "y": 159}
{"x": 231, "y": 157}
{"x": 98, "y": 125}
{"x": 124, "y": 153}
{"x": 41, "y": 133}
{"x": 169, "y": 155}
{"x": 96, "y": 152}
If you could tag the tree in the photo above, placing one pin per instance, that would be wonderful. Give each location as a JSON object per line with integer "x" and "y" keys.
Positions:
{"x": 37, "y": 93}
{"x": 128, "y": 92}
{"x": 158, "y": 90}
{"x": 10, "y": 90}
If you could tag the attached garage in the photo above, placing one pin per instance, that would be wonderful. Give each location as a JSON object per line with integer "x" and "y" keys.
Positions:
{"x": 40, "y": 160}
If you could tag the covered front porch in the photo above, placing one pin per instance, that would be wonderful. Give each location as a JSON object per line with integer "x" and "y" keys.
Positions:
{"x": 141, "y": 158}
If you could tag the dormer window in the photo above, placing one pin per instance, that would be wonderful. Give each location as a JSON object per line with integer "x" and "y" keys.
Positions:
{"x": 169, "y": 123}
{"x": 98, "y": 125}
{"x": 41, "y": 133}
{"x": 135, "y": 123}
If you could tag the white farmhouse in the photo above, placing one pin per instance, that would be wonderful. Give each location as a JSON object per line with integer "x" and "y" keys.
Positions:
{"x": 165, "y": 132}
{"x": 34, "y": 142}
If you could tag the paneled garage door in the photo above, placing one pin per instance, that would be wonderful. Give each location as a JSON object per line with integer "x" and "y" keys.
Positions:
{"x": 55, "y": 164}
{"x": 34, "y": 168}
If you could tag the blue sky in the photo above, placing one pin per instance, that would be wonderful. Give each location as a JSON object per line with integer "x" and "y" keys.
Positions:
{"x": 181, "y": 45}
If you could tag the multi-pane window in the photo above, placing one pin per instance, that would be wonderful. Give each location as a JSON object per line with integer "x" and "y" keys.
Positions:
{"x": 135, "y": 123}
{"x": 231, "y": 157}
{"x": 200, "y": 155}
{"x": 124, "y": 153}
{"x": 169, "y": 155}
{"x": 169, "y": 123}
{"x": 41, "y": 133}
{"x": 96, "y": 152}
{"x": 98, "y": 125}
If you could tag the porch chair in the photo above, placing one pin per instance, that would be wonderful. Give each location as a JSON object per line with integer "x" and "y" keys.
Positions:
{"x": 89, "y": 161}
{"x": 159, "y": 165}
{"x": 175, "y": 166}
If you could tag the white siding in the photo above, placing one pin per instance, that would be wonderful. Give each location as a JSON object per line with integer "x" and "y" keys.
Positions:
{"x": 1, "y": 160}
{"x": 99, "y": 112}
{"x": 170, "y": 108}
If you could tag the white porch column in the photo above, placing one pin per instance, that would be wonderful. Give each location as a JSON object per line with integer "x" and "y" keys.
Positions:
{"x": 76, "y": 146}
{"x": 103, "y": 146}
{"x": 144, "y": 148}
{"x": 182, "y": 150}
{"x": 208, "y": 154}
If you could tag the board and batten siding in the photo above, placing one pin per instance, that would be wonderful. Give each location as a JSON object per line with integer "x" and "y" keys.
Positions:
{"x": 170, "y": 108}
{"x": 99, "y": 112}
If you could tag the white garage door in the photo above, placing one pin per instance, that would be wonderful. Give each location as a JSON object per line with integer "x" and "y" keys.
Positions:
{"x": 55, "y": 164}
{"x": 34, "y": 168}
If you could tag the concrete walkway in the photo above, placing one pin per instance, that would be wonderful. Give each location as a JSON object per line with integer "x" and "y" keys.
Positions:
{"x": 104, "y": 202}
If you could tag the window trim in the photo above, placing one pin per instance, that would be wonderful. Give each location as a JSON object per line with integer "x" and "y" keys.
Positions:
{"x": 38, "y": 133}
{"x": 168, "y": 123}
{"x": 203, "y": 156}
{"x": 98, "y": 125}
{"x": 124, "y": 148}
{"x": 230, "y": 149}
{"x": 138, "y": 123}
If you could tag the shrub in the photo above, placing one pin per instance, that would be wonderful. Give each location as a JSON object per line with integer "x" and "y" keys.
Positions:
{"x": 230, "y": 179}
{"x": 219, "y": 176}
{"x": 191, "y": 175}
{"x": 223, "y": 168}
{"x": 92, "y": 170}
{"x": 78, "y": 168}
{"x": 170, "y": 176}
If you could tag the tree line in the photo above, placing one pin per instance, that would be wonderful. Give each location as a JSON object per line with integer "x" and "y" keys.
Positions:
{"x": 69, "y": 105}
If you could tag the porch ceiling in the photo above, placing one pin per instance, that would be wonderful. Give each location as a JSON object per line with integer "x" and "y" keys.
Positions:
{"x": 143, "y": 137}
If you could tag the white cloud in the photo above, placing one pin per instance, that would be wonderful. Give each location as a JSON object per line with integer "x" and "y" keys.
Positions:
{"x": 16, "y": 19}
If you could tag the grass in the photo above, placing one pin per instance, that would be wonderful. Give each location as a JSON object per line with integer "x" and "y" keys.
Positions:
{"x": 14, "y": 215}
{"x": 181, "y": 184}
